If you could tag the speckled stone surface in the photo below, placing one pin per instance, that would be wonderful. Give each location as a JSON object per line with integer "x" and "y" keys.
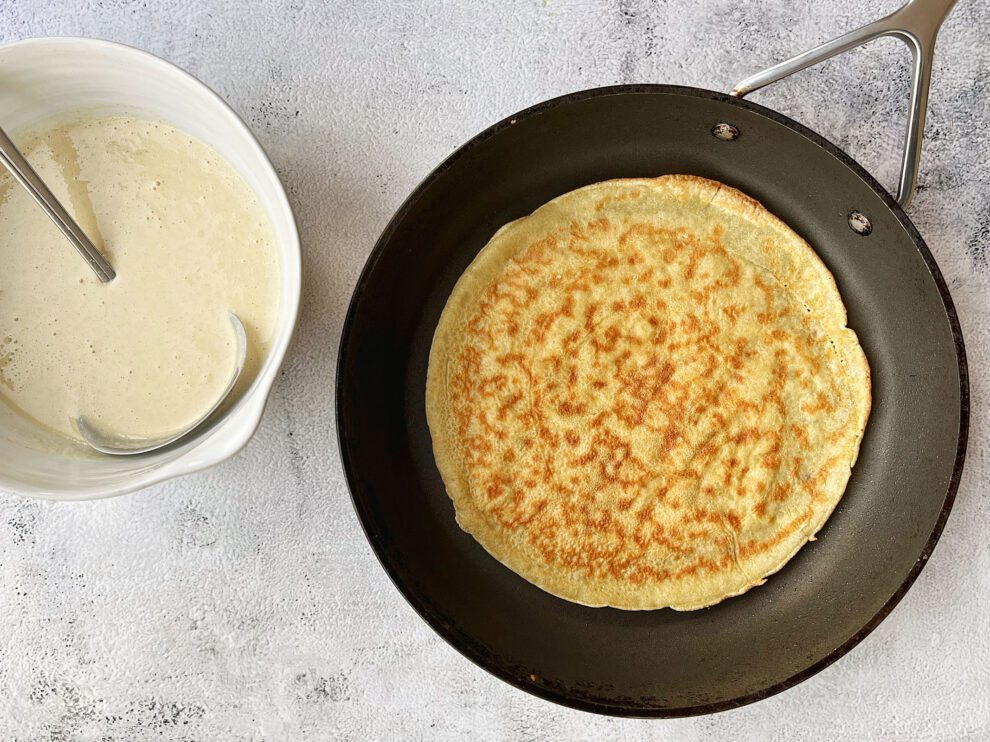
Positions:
{"x": 244, "y": 603}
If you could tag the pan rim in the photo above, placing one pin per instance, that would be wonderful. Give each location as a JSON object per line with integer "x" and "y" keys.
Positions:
{"x": 458, "y": 639}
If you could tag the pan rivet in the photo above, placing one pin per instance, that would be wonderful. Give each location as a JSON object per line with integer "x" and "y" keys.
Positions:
{"x": 725, "y": 132}
{"x": 859, "y": 223}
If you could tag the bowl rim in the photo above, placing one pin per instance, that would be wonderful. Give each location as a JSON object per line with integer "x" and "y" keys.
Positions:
{"x": 238, "y": 424}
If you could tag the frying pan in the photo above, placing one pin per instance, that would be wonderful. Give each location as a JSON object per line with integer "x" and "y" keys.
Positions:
{"x": 837, "y": 588}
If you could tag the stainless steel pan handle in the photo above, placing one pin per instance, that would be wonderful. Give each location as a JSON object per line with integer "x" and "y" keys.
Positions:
{"x": 916, "y": 24}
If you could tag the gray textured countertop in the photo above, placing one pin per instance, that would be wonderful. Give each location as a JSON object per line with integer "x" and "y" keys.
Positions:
{"x": 244, "y": 603}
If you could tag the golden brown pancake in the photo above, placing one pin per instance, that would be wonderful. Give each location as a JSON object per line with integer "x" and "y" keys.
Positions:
{"x": 645, "y": 394}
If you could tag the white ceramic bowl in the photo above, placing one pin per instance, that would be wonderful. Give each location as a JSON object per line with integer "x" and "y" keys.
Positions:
{"x": 52, "y": 77}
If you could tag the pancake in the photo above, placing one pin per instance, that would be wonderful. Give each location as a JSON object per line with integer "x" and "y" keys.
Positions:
{"x": 645, "y": 395}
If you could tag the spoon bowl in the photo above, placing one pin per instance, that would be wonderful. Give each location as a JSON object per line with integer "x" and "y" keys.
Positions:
{"x": 123, "y": 444}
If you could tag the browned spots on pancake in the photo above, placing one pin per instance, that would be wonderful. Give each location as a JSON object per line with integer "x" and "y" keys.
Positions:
{"x": 781, "y": 491}
{"x": 768, "y": 314}
{"x": 819, "y": 404}
{"x": 616, "y": 410}
{"x": 733, "y": 312}
{"x": 778, "y": 380}
{"x": 812, "y": 487}
{"x": 609, "y": 341}
{"x": 669, "y": 439}
{"x": 489, "y": 386}
{"x": 548, "y": 437}
{"x": 732, "y": 277}
{"x": 584, "y": 459}
{"x": 616, "y": 462}
{"x": 638, "y": 388}
{"x": 812, "y": 361}
{"x": 795, "y": 471}
{"x": 514, "y": 512}
{"x": 570, "y": 342}
{"x": 568, "y": 408}
{"x": 497, "y": 483}
{"x": 770, "y": 461}
{"x": 645, "y": 513}
{"x": 589, "y": 317}
{"x": 746, "y": 436}
{"x": 545, "y": 320}
{"x": 506, "y": 358}
{"x": 740, "y": 353}
{"x": 707, "y": 450}
{"x": 508, "y": 404}
{"x": 695, "y": 255}
{"x": 703, "y": 564}
{"x": 729, "y": 472}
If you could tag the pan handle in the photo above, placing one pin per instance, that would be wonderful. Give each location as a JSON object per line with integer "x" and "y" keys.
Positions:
{"x": 916, "y": 24}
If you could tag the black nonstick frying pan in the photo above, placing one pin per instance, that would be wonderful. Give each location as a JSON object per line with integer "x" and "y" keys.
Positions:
{"x": 838, "y": 588}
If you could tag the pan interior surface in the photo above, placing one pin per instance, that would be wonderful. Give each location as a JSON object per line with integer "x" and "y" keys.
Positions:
{"x": 655, "y": 663}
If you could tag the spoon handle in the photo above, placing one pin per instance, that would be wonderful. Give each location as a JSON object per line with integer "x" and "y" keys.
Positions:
{"x": 12, "y": 159}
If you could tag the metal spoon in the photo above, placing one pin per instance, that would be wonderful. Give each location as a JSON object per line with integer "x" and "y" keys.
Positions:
{"x": 103, "y": 441}
{"x": 12, "y": 159}
{"x": 122, "y": 444}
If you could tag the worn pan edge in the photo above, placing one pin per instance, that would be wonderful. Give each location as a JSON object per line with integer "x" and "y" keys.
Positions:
{"x": 462, "y": 642}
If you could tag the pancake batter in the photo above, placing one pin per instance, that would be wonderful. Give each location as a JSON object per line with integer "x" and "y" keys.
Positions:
{"x": 149, "y": 352}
